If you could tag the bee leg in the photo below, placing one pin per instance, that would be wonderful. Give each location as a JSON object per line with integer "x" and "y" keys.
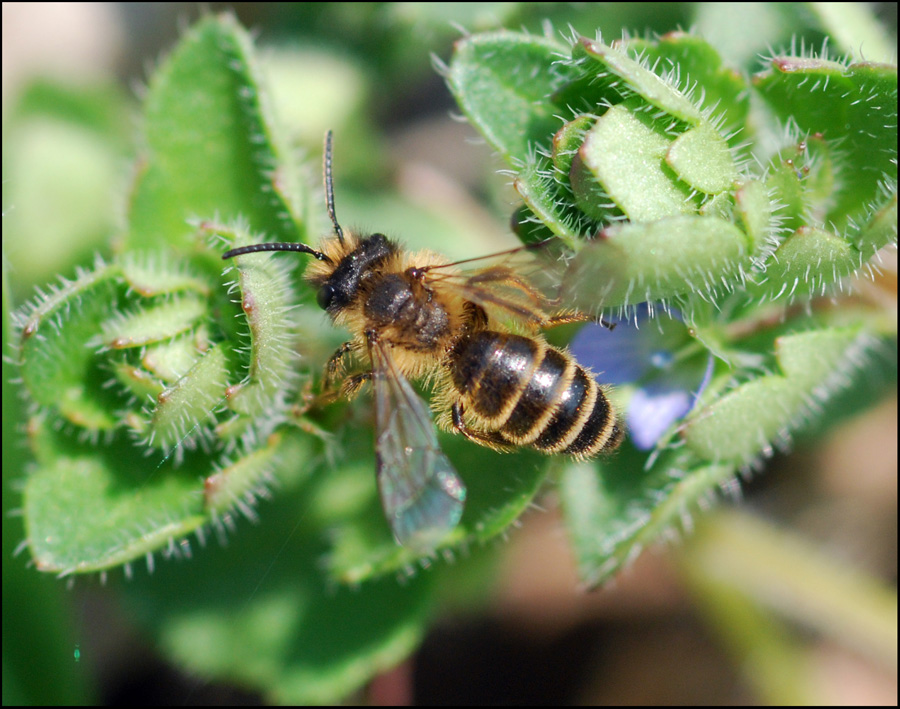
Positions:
{"x": 348, "y": 389}
{"x": 575, "y": 316}
{"x": 482, "y": 438}
{"x": 351, "y": 386}
{"x": 335, "y": 364}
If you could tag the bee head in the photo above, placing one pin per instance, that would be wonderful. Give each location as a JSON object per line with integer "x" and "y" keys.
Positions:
{"x": 338, "y": 288}
{"x": 342, "y": 263}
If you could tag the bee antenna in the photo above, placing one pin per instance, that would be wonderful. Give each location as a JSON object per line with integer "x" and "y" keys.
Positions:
{"x": 329, "y": 189}
{"x": 278, "y": 246}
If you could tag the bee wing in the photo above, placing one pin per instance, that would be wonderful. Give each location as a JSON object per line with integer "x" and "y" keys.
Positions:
{"x": 420, "y": 491}
{"x": 521, "y": 283}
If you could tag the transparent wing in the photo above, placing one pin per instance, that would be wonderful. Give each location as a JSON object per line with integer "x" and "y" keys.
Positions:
{"x": 420, "y": 491}
{"x": 522, "y": 283}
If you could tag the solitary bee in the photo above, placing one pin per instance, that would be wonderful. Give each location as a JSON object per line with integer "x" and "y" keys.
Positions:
{"x": 419, "y": 316}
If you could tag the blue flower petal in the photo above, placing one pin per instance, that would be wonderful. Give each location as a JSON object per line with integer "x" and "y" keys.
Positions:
{"x": 642, "y": 353}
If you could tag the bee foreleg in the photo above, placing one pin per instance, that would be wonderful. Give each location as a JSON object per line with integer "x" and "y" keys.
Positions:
{"x": 349, "y": 389}
{"x": 335, "y": 366}
{"x": 351, "y": 386}
{"x": 482, "y": 438}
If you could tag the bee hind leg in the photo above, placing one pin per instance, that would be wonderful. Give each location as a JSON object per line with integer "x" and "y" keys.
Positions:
{"x": 482, "y": 438}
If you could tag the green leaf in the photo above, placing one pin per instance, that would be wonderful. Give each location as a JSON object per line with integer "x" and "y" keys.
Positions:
{"x": 152, "y": 323}
{"x": 634, "y": 263}
{"x": 149, "y": 277}
{"x": 567, "y": 141}
{"x": 808, "y": 261}
{"x": 165, "y": 329}
{"x": 190, "y": 403}
{"x": 698, "y": 67}
{"x": 171, "y": 360}
{"x": 233, "y": 485}
{"x": 747, "y": 421}
{"x": 59, "y": 370}
{"x": 291, "y": 633}
{"x": 268, "y": 301}
{"x": 753, "y": 214}
{"x": 700, "y": 157}
{"x": 622, "y": 160}
{"x": 503, "y": 81}
{"x": 211, "y": 148}
{"x": 99, "y": 508}
{"x": 635, "y": 80}
{"x": 852, "y": 107}
{"x": 538, "y": 190}
{"x": 612, "y": 511}
{"x": 879, "y": 231}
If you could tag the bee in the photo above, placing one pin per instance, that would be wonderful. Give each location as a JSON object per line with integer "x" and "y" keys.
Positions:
{"x": 420, "y": 316}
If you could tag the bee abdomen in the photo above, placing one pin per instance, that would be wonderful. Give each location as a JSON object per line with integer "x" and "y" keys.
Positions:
{"x": 532, "y": 394}
{"x": 491, "y": 368}
{"x": 584, "y": 423}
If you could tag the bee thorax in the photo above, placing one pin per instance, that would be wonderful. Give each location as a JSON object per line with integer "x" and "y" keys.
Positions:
{"x": 396, "y": 301}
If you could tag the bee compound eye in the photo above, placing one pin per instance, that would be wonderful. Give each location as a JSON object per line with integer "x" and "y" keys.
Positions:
{"x": 325, "y": 296}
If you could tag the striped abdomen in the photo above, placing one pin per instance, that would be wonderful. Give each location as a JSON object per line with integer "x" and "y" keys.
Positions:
{"x": 527, "y": 393}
